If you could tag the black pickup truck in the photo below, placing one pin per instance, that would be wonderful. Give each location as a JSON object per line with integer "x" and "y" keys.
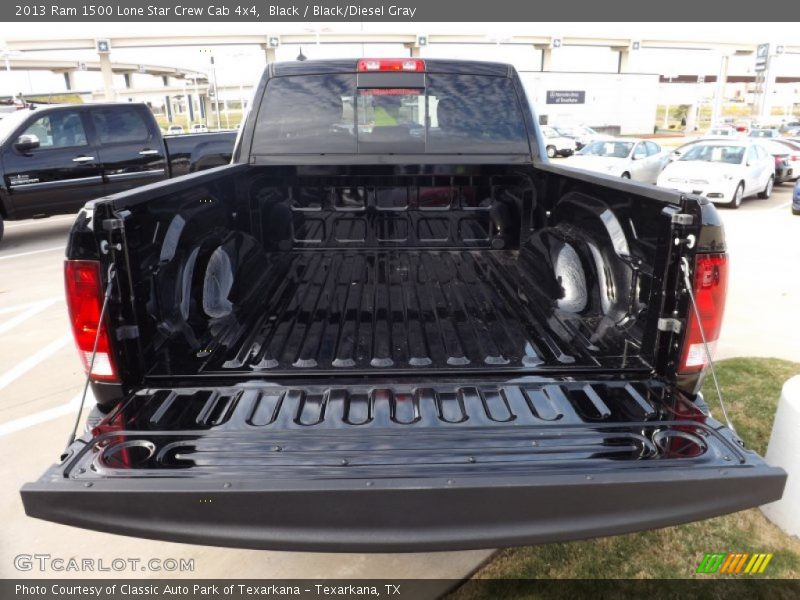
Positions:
{"x": 392, "y": 325}
{"x": 53, "y": 159}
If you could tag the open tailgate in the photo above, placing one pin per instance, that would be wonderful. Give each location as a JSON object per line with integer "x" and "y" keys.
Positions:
{"x": 400, "y": 468}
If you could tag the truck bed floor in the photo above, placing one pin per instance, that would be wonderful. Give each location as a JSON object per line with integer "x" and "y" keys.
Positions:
{"x": 444, "y": 310}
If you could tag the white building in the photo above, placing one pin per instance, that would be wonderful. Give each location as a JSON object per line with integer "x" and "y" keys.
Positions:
{"x": 623, "y": 103}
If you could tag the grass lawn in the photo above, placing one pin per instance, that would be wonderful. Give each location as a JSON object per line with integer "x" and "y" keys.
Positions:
{"x": 751, "y": 387}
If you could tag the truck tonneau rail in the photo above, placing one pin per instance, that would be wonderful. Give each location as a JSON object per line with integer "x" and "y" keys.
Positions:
{"x": 342, "y": 432}
{"x": 456, "y": 345}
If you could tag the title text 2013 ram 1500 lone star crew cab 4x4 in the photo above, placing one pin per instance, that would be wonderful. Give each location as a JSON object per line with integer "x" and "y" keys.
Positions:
{"x": 53, "y": 159}
{"x": 392, "y": 325}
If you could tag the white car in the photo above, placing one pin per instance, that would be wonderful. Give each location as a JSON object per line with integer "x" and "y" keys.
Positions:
{"x": 198, "y": 128}
{"x": 723, "y": 171}
{"x": 724, "y": 132}
{"x": 174, "y": 129}
{"x": 556, "y": 144}
{"x": 640, "y": 160}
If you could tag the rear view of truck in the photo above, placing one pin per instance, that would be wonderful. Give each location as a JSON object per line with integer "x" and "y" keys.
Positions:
{"x": 390, "y": 325}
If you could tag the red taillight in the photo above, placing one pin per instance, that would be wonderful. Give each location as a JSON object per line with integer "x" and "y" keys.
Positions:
{"x": 778, "y": 161}
{"x": 85, "y": 301}
{"x": 391, "y": 64}
{"x": 710, "y": 286}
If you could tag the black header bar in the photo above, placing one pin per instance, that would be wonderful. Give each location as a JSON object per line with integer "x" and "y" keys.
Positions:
{"x": 419, "y": 11}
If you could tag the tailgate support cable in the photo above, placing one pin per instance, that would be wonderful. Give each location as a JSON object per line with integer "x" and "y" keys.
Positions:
{"x": 106, "y": 296}
{"x": 687, "y": 282}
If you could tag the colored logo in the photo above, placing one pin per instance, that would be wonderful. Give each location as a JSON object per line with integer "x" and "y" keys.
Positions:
{"x": 734, "y": 563}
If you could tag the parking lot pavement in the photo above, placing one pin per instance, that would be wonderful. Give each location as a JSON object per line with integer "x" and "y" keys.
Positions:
{"x": 40, "y": 379}
{"x": 762, "y": 315}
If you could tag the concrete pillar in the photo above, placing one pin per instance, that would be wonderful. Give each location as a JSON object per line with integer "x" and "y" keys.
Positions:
{"x": 719, "y": 90}
{"x": 413, "y": 51}
{"x": 190, "y": 104}
{"x": 168, "y": 108}
{"x": 623, "y": 64}
{"x": 108, "y": 76}
{"x": 269, "y": 53}
{"x": 547, "y": 58}
{"x": 69, "y": 80}
{"x": 691, "y": 118}
{"x": 206, "y": 108}
{"x": 201, "y": 102}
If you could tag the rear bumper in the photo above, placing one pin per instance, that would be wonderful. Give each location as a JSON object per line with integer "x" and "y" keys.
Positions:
{"x": 361, "y": 515}
{"x": 716, "y": 193}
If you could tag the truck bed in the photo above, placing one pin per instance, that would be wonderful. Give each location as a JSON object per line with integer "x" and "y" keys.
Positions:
{"x": 416, "y": 310}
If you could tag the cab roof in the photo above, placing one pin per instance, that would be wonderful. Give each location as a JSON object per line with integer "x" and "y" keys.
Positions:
{"x": 341, "y": 66}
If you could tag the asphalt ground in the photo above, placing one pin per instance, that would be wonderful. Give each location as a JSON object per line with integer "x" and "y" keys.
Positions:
{"x": 41, "y": 378}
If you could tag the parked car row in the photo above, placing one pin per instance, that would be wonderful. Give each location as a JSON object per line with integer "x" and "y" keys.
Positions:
{"x": 640, "y": 160}
{"x": 724, "y": 168}
{"x": 785, "y": 153}
{"x": 582, "y": 135}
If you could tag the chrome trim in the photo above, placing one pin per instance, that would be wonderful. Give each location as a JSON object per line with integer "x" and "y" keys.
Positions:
{"x": 135, "y": 174}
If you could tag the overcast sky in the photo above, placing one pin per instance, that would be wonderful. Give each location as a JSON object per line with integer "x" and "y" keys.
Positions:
{"x": 238, "y": 65}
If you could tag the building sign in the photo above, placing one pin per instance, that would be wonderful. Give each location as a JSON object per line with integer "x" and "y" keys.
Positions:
{"x": 762, "y": 56}
{"x": 566, "y": 97}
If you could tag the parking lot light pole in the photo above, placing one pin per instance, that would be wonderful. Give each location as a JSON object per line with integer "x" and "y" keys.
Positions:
{"x": 624, "y": 60}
